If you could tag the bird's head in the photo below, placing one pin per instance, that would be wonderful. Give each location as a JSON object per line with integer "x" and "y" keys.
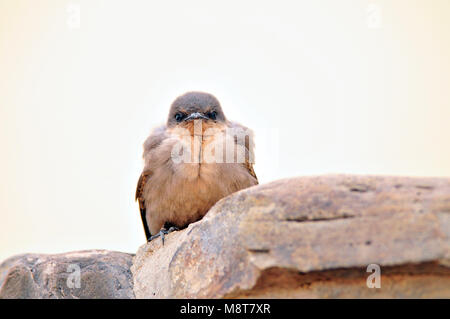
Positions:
{"x": 193, "y": 106}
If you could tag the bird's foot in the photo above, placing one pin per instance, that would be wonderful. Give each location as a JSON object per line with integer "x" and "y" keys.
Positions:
{"x": 162, "y": 233}
{"x": 171, "y": 229}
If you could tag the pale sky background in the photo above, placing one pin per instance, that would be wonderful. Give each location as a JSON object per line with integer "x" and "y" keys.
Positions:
{"x": 348, "y": 86}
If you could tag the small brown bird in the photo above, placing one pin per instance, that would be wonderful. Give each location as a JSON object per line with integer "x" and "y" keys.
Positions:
{"x": 190, "y": 163}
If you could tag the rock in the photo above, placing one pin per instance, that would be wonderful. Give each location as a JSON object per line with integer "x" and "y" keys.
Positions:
{"x": 103, "y": 274}
{"x": 309, "y": 237}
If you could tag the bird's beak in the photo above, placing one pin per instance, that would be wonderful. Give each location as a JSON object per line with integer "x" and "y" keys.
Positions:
{"x": 195, "y": 116}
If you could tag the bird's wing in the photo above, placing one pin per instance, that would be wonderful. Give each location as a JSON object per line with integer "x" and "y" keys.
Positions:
{"x": 140, "y": 198}
{"x": 249, "y": 146}
{"x": 249, "y": 167}
{"x": 152, "y": 142}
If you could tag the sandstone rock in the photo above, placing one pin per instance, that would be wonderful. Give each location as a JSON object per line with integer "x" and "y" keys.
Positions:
{"x": 309, "y": 237}
{"x": 103, "y": 274}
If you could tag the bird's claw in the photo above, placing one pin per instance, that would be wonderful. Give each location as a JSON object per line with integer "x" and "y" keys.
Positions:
{"x": 162, "y": 233}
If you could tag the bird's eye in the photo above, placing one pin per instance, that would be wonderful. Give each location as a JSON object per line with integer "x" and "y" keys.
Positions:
{"x": 179, "y": 117}
{"x": 212, "y": 115}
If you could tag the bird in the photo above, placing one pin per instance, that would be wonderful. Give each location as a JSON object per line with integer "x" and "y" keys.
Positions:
{"x": 192, "y": 161}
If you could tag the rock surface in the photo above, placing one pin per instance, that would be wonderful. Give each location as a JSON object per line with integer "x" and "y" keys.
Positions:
{"x": 309, "y": 237}
{"x": 102, "y": 274}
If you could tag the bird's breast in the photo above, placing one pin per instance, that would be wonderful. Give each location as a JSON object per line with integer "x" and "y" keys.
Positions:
{"x": 190, "y": 174}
